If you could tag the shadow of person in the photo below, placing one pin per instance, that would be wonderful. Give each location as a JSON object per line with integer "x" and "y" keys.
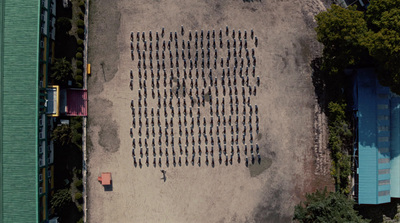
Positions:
{"x": 164, "y": 176}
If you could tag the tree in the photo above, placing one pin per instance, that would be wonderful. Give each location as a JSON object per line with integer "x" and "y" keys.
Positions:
{"x": 63, "y": 25}
{"x": 322, "y": 206}
{"x": 62, "y": 135}
{"x": 340, "y": 30}
{"x": 60, "y": 199}
{"x": 383, "y": 40}
{"x": 353, "y": 37}
{"x": 61, "y": 71}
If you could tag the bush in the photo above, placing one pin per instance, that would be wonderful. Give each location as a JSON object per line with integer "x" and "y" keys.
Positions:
{"x": 79, "y": 64}
{"x": 79, "y": 75}
{"x": 80, "y": 220}
{"x": 82, "y": 5}
{"x": 80, "y": 32}
{"x": 80, "y": 23}
{"x": 79, "y": 42}
{"x": 78, "y": 196}
{"x": 79, "y": 49}
{"x": 81, "y": 15}
{"x": 63, "y": 25}
{"x": 77, "y": 138}
{"x": 78, "y": 56}
{"x": 77, "y": 126}
{"x": 78, "y": 183}
{"x": 80, "y": 210}
{"x": 60, "y": 199}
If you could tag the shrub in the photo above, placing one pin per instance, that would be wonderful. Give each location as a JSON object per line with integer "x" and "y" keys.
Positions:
{"x": 82, "y": 5}
{"x": 79, "y": 85}
{"x": 79, "y": 49}
{"x": 81, "y": 15}
{"x": 78, "y": 56}
{"x": 78, "y": 183}
{"x": 63, "y": 25}
{"x": 78, "y": 196}
{"x": 78, "y": 76}
{"x": 79, "y": 64}
{"x": 80, "y": 23}
{"x": 77, "y": 138}
{"x": 80, "y": 32}
{"x": 79, "y": 42}
{"x": 80, "y": 210}
{"x": 60, "y": 199}
{"x": 77, "y": 126}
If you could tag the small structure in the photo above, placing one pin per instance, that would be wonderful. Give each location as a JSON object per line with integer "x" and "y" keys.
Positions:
{"x": 105, "y": 179}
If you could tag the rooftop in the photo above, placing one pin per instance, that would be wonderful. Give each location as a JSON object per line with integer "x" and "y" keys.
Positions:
{"x": 19, "y": 38}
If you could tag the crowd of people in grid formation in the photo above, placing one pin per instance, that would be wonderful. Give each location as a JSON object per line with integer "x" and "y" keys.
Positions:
{"x": 192, "y": 98}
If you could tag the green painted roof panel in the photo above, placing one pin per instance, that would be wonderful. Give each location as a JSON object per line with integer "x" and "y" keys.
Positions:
{"x": 19, "y": 110}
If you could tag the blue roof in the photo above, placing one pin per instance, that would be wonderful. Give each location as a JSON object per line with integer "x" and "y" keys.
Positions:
{"x": 395, "y": 147}
{"x": 378, "y": 140}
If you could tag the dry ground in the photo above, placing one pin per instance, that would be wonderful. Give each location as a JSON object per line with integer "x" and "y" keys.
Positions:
{"x": 292, "y": 128}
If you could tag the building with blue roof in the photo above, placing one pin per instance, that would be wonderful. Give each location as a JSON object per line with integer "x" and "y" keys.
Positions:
{"x": 377, "y": 121}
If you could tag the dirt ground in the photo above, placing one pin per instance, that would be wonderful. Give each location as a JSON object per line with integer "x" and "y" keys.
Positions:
{"x": 292, "y": 128}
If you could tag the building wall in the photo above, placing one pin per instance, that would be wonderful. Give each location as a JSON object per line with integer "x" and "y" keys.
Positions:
{"x": 46, "y": 45}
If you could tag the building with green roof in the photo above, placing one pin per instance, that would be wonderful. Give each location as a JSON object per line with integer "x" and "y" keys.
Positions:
{"x": 26, "y": 172}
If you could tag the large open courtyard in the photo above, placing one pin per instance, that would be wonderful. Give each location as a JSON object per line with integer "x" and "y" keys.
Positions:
{"x": 219, "y": 95}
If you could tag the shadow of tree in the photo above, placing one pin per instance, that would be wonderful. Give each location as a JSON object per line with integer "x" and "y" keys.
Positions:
{"x": 376, "y": 212}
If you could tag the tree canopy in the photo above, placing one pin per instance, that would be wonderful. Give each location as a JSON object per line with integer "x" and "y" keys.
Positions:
{"x": 352, "y": 38}
{"x": 323, "y": 206}
{"x": 341, "y": 31}
{"x": 62, "y": 135}
{"x": 60, "y": 199}
{"x": 61, "y": 71}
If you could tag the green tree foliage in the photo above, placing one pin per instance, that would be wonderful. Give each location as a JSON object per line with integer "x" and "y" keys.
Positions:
{"x": 383, "y": 40}
{"x": 339, "y": 137}
{"x": 61, "y": 71}
{"x": 325, "y": 207}
{"x": 80, "y": 23}
{"x": 78, "y": 184}
{"x": 78, "y": 56}
{"x": 63, "y": 25}
{"x": 78, "y": 196}
{"x": 352, "y": 37}
{"x": 341, "y": 31}
{"x": 79, "y": 42}
{"x": 60, "y": 199}
{"x": 62, "y": 135}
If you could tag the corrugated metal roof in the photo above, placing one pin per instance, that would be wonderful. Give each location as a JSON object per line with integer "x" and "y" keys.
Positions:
{"x": 374, "y": 139}
{"x": 19, "y": 110}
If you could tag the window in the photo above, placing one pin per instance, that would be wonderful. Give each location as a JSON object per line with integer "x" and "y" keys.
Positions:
{"x": 383, "y": 96}
{"x": 40, "y": 190}
{"x": 384, "y": 171}
{"x": 383, "y": 117}
{"x": 383, "y": 128}
{"x": 40, "y": 177}
{"x": 383, "y": 139}
{"x": 383, "y": 182}
{"x": 381, "y": 107}
{"x": 383, "y": 150}
{"x": 384, "y": 160}
{"x": 383, "y": 193}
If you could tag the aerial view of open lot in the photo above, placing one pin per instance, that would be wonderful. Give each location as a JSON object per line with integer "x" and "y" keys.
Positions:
{"x": 246, "y": 150}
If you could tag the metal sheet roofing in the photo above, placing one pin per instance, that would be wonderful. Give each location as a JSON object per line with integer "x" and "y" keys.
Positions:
{"x": 19, "y": 24}
{"x": 373, "y": 139}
